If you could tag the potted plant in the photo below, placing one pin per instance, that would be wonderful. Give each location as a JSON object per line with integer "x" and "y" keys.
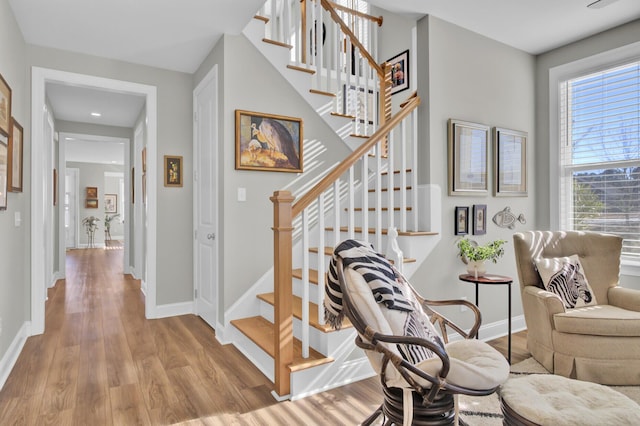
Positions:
{"x": 475, "y": 255}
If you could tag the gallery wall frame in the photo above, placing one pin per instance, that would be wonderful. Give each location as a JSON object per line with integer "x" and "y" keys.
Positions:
{"x": 4, "y": 166}
{"x": 509, "y": 163}
{"x": 173, "y": 170}
{"x": 479, "y": 219}
{"x": 468, "y": 153}
{"x": 461, "y": 222}
{"x": 111, "y": 203}
{"x": 91, "y": 204}
{"x": 5, "y": 106}
{"x": 16, "y": 160}
{"x": 268, "y": 142}
{"x": 399, "y": 72}
{"x": 55, "y": 187}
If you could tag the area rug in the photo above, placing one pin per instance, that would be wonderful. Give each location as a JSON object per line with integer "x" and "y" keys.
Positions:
{"x": 485, "y": 411}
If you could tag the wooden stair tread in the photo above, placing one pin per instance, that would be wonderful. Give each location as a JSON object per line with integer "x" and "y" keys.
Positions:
{"x": 313, "y": 275}
{"x": 384, "y": 231}
{"x": 337, "y": 114}
{"x": 320, "y": 92}
{"x": 297, "y": 312}
{"x": 396, "y": 172}
{"x": 262, "y": 333}
{"x": 397, "y": 188}
{"x": 355, "y": 135}
{"x": 299, "y": 68}
{"x": 261, "y": 18}
{"x": 328, "y": 251}
{"x": 373, "y": 209}
{"x": 277, "y": 43}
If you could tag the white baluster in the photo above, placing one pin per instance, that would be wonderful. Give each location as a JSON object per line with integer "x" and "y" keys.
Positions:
{"x": 365, "y": 197}
{"x": 305, "y": 283}
{"x": 378, "y": 205}
{"x": 336, "y": 211}
{"x": 391, "y": 185}
{"x": 403, "y": 175}
{"x": 321, "y": 259}
{"x": 352, "y": 207}
{"x": 414, "y": 168}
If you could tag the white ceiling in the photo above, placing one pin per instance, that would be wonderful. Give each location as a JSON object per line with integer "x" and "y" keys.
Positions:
{"x": 178, "y": 35}
{"x": 93, "y": 149}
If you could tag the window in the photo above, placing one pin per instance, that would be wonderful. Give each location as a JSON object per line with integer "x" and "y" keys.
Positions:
{"x": 599, "y": 138}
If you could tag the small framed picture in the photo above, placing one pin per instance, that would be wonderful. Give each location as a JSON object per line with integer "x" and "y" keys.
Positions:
{"x": 462, "y": 221}
{"x": 479, "y": 219}
{"x": 172, "y": 170}
{"x": 92, "y": 192}
{"x": 55, "y": 187}
{"x": 399, "y": 72}
{"x": 111, "y": 203}
{"x": 144, "y": 159}
{"x": 4, "y": 163}
{"x": 15, "y": 156}
{"x": 91, "y": 204}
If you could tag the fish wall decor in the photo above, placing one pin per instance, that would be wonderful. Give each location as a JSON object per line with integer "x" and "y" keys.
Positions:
{"x": 505, "y": 219}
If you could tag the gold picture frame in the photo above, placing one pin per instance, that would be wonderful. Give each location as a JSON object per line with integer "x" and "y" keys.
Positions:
{"x": 468, "y": 155}
{"x": 16, "y": 151}
{"x": 268, "y": 142}
{"x": 173, "y": 170}
{"x": 509, "y": 163}
{"x": 5, "y": 106}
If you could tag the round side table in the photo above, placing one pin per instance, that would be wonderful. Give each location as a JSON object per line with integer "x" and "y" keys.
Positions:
{"x": 491, "y": 279}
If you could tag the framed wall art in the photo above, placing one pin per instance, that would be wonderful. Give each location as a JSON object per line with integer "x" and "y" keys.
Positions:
{"x": 5, "y": 107}
{"x": 399, "y": 72}
{"x": 462, "y": 221}
{"x": 479, "y": 219}
{"x": 91, "y": 204}
{"x": 173, "y": 170}
{"x": 111, "y": 203}
{"x": 92, "y": 192}
{"x": 4, "y": 167}
{"x": 15, "y": 157}
{"x": 510, "y": 162}
{"x": 55, "y": 187}
{"x": 268, "y": 142}
{"x": 468, "y": 153}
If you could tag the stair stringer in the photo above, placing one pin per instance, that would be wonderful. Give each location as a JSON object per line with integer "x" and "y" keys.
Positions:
{"x": 302, "y": 82}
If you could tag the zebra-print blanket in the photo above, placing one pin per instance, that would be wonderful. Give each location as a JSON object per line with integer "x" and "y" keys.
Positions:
{"x": 384, "y": 281}
{"x": 374, "y": 268}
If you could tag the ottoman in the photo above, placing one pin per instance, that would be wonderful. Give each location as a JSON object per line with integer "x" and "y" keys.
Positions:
{"x": 547, "y": 399}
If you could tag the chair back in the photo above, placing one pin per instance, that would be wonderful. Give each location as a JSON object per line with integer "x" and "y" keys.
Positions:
{"x": 599, "y": 255}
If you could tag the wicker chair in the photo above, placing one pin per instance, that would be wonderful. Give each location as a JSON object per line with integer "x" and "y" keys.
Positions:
{"x": 423, "y": 393}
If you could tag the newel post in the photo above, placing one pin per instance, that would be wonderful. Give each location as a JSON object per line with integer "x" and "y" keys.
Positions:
{"x": 282, "y": 282}
{"x": 385, "y": 102}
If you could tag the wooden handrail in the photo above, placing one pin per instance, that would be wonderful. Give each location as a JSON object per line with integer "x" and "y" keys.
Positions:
{"x": 376, "y": 19}
{"x": 304, "y": 201}
{"x": 354, "y": 40}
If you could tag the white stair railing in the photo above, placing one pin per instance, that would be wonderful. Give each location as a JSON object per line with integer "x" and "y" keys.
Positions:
{"x": 314, "y": 210}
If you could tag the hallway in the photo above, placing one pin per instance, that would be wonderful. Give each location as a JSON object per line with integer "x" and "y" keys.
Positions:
{"x": 100, "y": 362}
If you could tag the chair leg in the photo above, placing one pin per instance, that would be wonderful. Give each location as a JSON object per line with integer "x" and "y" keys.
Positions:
{"x": 373, "y": 417}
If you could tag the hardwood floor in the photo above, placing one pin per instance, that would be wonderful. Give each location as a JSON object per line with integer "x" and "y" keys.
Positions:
{"x": 100, "y": 362}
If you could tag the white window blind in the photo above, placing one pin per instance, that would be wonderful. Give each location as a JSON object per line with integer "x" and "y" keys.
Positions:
{"x": 600, "y": 154}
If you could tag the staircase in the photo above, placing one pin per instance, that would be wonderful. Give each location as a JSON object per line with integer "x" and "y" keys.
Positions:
{"x": 279, "y": 324}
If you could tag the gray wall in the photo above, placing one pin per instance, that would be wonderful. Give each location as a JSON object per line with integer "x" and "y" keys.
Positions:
{"x": 472, "y": 78}
{"x": 15, "y": 263}
{"x": 174, "y": 90}
{"x": 247, "y": 81}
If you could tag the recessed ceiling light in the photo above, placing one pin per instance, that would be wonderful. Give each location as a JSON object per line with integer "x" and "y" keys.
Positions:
{"x": 96, "y": 114}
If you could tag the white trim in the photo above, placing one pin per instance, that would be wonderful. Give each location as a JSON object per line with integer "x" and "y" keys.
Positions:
{"x": 39, "y": 77}
{"x": 561, "y": 73}
{"x": 174, "y": 309}
{"x": 10, "y": 357}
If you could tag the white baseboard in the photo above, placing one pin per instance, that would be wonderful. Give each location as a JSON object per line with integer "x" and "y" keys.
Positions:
{"x": 174, "y": 309}
{"x": 11, "y": 355}
{"x": 501, "y": 328}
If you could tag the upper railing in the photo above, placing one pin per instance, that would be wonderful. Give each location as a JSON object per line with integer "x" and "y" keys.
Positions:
{"x": 338, "y": 46}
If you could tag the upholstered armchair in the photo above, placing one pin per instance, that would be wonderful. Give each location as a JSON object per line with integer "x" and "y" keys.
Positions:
{"x": 598, "y": 339}
{"x": 420, "y": 371}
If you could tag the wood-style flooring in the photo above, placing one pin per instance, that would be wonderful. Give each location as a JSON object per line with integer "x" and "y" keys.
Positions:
{"x": 100, "y": 362}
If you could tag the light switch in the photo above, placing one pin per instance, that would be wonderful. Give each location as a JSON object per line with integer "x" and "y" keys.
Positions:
{"x": 242, "y": 194}
{"x": 17, "y": 220}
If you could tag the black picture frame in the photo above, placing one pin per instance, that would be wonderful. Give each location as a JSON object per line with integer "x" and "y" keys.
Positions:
{"x": 479, "y": 219}
{"x": 461, "y": 220}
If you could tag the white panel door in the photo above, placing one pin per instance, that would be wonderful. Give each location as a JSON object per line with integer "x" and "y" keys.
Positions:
{"x": 205, "y": 200}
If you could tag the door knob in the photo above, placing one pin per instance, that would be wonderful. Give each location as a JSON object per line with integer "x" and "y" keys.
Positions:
{"x": 211, "y": 236}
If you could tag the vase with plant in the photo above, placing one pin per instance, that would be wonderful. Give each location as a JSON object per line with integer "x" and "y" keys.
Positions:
{"x": 107, "y": 225}
{"x": 475, "y": 255}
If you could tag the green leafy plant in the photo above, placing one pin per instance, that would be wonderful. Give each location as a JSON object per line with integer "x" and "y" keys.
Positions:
{"x": 470, "y": 250}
